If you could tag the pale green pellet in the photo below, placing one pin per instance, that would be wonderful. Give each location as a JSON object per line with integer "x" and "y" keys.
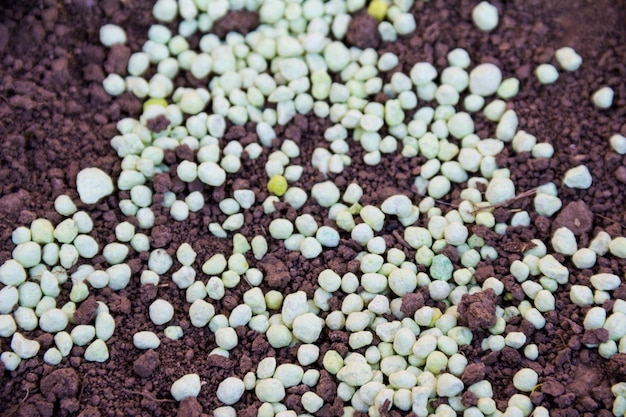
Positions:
{"x": 547, "y": 74}
{"x": 215, "y": 265}
{"x": 568, "y": 59}
{"x": 525, "y": 380}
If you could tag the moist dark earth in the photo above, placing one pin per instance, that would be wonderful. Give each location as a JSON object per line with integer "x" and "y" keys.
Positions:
{"x": 56, "y": 119}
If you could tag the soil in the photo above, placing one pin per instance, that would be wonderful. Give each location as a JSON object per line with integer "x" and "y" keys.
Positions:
{"x": 56, "y": 119}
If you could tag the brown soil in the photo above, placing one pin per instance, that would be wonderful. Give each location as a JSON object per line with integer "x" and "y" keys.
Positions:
{"x": 56, "y": 119}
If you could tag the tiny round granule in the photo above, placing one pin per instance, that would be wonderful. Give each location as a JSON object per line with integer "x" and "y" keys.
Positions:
{"x": 605, "y": 281}
{"x": 161, "y": 312}
{"x": 439, "y": 186}
{"x": 509, "y": 88}
{"x": 311, "y": 401}
{"x": 485, "y": 16}
{"x": 52, "y": 356}
{"x": 277, "y": 185}
{"x": 441, "y": 267}
{"x": 329, "y": 280}
{"x": 459, "y": 58}
{"x": 105, "y": 325}
{"x": 82, "y": 334}
{"x": 307, "y": 354}
{"x": 355, "y": 373}
{"x": 111, "y": 34}
{"x": 10, "y": 360}
{"x": 114, "y": 85}
{"x": 281, "y": 229}
{"x": 53, "y": 321}
{"x": 186, "y": 386}
{"x": 436, "y": 362}
{"x": 12, "y": 273}
{"x": 617, "y": 247}
{"x": 211, "y": 174}
{"x": 146, "y": 340}
{"x": 266, "y": 368}
{"x": 191, "y": 102}
{"x": 402, "y": 281}
{"x": 64, "y": 205}
{"x": 603, "y": 98}
{"x": 140, "y": 243}
{"x": 230, "y": 390}
{"x": 97, "y": 351}
{"x": 201, "y": 313}
{"x": 595, "y": 318}
{"x": 154, "y": 101}
{"x": 278, "y": 336}
{"x": 581, "y": 295}
{"x": 547, "y": 74}
{"x": 500, "y": 190}
{"x": 460, "y": 125}
{"x": 289, "y": 374}
{"x": 42, "y": 231}
{"x": 568, "y": 59}
{"x": 448, "y": 385}
{"x": 456, "y": 233}
{"x": 531, "y": 351}
{"x": 7, "y": 325}
{"x": 93, "y": 184}
{"x": 226, "y": 338}
{"x": 618, "y": 143}
{"x": 485, "y": 79}
{"x": 159, "y": 261}
{"x": 403, "y": 342}
{"x": 26, "y": 253}
{"x": 377, "y": 9}
{"x": 119, "y": 276}
{"x": 269, "y": 390}
{"x": 307, "y": 327}
{"x": 578, "y": 177}
{"x": 563, "y": 241}
{"x": 115, "y": 253}
{"x": 404, "y": 24}
{"x": 215, "y": 265}
{"x": 325, "y": 193}
{"x": 439, "y": 290}
{"x": 185, "y": 254}
{"x": 525, "y": 380}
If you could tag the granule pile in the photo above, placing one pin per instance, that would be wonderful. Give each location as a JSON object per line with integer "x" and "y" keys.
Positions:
{"x": 552, "y": 351}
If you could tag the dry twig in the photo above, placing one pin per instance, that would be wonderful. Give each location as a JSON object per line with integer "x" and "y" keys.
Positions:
{"x": 148, "y": 396}
{"x": 527, "y": 193}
